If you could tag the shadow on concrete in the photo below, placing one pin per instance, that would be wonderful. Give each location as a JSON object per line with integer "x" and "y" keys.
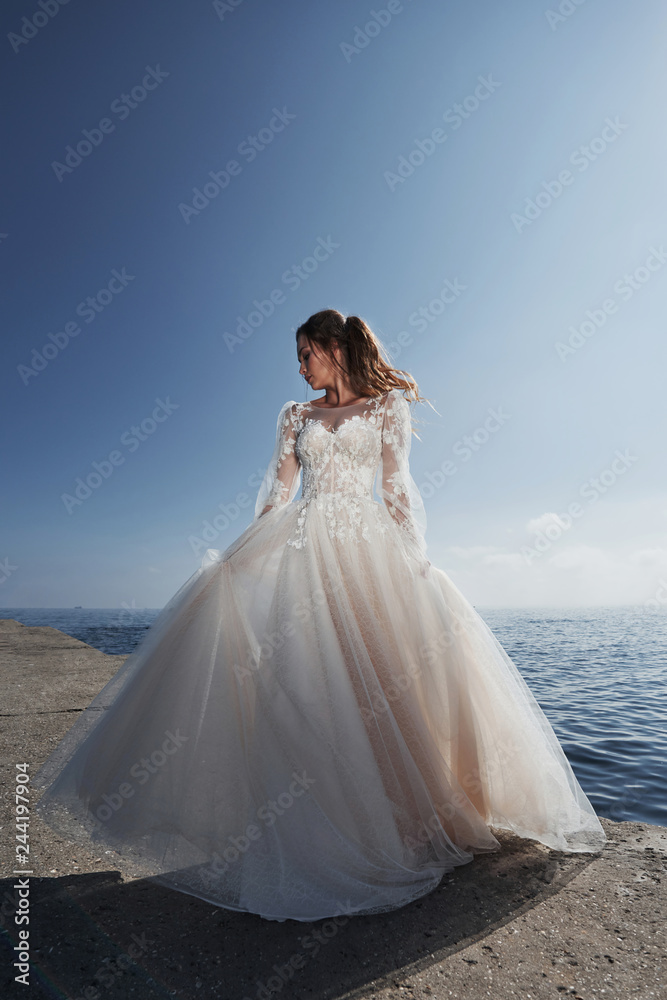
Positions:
{"x": 94, "y": 936}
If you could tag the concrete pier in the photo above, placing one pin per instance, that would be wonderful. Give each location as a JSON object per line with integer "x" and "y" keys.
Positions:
{"x": 526, "y": 922}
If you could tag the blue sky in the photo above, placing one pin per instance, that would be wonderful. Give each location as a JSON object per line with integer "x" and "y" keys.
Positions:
{"x": 531, "y": 147}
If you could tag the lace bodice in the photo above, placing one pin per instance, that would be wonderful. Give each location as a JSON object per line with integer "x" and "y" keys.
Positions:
{"x": 343, "y": 452}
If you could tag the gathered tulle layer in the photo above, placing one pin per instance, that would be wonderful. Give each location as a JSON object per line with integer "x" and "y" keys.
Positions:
{"x": 307, "y": 731}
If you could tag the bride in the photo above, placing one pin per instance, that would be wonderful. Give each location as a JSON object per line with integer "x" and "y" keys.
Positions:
{"x": 318, "y": 722}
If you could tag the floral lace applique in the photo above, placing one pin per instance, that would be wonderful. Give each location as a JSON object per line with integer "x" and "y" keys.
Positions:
{"x": 340, "y": 464}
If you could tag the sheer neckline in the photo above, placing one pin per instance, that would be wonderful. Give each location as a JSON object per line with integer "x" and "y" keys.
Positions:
{"x": 345, "y": 406}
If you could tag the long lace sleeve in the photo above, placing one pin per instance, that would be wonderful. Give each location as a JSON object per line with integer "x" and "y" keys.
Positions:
{"x": 394, "y": 482}
{"x": 283, "y": 473}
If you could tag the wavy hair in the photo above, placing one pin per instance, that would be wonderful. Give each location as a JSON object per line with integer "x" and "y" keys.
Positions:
{"x": 363, "y": 366}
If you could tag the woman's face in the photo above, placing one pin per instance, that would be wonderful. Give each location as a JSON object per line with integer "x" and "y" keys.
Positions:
{"x": 313, "y": 366}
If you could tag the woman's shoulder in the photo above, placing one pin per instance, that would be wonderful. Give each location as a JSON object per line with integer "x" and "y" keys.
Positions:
{"x": 289, "y": 405}
{"x": 290, "y": 411}
{"x": 396, "y": 398}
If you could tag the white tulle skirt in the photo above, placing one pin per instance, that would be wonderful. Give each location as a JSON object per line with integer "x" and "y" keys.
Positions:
{"x": 311, "y": 731}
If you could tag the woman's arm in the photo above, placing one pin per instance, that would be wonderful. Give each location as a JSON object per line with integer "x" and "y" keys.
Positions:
{"x": 397, "y": 487}
{"x": 283, "y": 473}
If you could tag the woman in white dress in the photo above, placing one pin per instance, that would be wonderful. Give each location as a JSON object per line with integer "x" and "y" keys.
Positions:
{"x": 318, "y": 722}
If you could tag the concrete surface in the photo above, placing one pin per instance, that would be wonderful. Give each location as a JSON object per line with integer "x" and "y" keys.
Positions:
{"x": 527, "y": 922}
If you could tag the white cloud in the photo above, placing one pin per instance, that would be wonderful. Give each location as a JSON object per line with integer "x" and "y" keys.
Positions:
{"x": 650, "y": 557}
{"x": 615, "y": 554}
{"x": 472, "y": 552}
{"x": 539, "y": 524}
{"x": 581, "y": 557}
{"x": 566, "y": 575}
{"x": 504, "y": 560}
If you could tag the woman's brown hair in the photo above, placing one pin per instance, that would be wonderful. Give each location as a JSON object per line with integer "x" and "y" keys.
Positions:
{"x": 363, "y": 366}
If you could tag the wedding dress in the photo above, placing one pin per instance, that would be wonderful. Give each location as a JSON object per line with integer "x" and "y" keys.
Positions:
{"x": 317, "y": 722}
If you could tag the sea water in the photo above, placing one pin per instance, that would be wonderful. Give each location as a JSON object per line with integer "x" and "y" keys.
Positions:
{"x": 599, "y": 674}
